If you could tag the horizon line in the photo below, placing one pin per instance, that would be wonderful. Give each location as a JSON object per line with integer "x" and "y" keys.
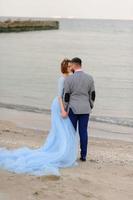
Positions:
{"x": 69, "y": 17}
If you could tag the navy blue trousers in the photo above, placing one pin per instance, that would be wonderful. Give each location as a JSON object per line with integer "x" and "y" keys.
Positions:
{"x": 82, "y": 121}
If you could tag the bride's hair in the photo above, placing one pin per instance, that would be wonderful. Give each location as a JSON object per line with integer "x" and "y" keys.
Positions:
{"x": 64, "y": 66}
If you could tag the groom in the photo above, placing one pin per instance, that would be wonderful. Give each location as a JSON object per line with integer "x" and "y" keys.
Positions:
{"x": 79, "y": 97}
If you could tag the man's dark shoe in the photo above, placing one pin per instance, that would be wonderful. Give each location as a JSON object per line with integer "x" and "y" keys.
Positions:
{"x": 83, "y": 159}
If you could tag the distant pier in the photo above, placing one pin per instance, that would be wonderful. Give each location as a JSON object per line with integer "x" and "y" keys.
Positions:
{"x": 27, "y": 25}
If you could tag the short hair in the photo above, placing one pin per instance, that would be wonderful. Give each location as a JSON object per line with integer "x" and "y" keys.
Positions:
{"x": 64, "y": 66}
{"x": 77, "y": 61}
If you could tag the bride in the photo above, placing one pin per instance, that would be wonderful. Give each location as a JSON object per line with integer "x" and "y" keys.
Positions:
{"x": 59, "y": 149}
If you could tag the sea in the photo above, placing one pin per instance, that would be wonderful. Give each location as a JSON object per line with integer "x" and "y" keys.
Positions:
{"x": 30, "y": 66}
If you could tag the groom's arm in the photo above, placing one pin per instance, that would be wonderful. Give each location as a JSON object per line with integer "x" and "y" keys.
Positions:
{"x": 66, "y": 95}
{"x": 92, "y": 94}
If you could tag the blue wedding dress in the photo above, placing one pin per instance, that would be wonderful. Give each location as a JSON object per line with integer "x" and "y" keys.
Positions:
{"x": 59, "y": 149}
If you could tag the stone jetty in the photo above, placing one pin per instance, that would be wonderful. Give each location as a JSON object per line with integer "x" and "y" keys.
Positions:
{"x": 27, "y": 25}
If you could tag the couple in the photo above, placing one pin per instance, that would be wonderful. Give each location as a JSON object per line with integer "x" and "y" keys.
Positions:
{"x": 71, "y": 108}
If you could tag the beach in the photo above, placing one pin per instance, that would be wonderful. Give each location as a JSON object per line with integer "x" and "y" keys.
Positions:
{"x": 29, "y": 73}
{"x": 106, "y": 175}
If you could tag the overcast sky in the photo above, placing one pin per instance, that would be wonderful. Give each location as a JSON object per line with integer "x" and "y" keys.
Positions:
{"x": 108, "y": 9}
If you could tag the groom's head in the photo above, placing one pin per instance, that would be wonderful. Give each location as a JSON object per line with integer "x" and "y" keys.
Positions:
{"x": 76, "y": 63}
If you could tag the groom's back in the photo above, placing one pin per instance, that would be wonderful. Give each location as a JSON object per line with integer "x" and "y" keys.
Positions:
{"x": 79, "y": 86}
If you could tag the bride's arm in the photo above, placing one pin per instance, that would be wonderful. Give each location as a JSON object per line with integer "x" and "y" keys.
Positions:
{"x": 61, "y": 104}
{"x": 60, "y": 93}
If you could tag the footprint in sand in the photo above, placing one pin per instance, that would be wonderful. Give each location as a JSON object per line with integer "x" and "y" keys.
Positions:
{"x": 50, "y": 178}
{"x": 86, "y": 194}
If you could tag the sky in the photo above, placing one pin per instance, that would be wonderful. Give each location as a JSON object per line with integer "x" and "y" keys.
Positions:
{"x": 105, "y": 9}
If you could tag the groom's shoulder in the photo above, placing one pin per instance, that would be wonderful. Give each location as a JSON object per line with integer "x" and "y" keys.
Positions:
{"x": 89, "y": 76}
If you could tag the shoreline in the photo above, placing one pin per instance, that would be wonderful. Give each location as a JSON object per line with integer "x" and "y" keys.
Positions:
{"x": 116, "y": 120}
{"x": 106, "y": 175}
{"x": 42, "y": 122}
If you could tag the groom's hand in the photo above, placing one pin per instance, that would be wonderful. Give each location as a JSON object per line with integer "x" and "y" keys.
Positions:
{"x": 64, "y": 114}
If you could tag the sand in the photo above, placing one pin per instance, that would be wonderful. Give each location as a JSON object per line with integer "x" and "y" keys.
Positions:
{"x": 106, "y": 175}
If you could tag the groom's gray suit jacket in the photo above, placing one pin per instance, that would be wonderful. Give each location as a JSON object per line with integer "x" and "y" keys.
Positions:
{"x": 79, "y": 93}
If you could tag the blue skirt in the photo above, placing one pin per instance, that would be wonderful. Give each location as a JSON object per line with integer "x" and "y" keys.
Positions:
{"x": 58, "y": 151}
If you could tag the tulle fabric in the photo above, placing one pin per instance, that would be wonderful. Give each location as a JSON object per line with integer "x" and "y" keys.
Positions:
{"x": 58, "y": 151}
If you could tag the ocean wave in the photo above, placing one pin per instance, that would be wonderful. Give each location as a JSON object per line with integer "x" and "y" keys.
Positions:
{"x": 113, "y": 120}
{"x": 102, "y": 119}
{"x": 25, "y": 108}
